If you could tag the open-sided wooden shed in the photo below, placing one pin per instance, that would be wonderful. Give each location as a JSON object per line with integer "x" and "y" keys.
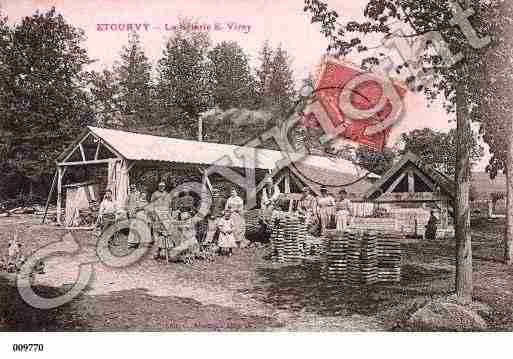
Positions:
{"x": 123, "y": 154}
{"x": 411, "y": 181}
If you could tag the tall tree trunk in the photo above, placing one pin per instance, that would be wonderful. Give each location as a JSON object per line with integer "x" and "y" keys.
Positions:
{"x": 464, "y": 285}
{"x": 505, "y": 93}
{"x": 508, "y": 239}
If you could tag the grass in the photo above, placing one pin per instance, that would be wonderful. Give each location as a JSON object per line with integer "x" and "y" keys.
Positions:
{"x": 247, "y": 292}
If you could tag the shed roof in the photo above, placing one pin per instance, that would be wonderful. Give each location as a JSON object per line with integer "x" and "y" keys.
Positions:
{"x": 441, "y": 180}
{"x": 141, "y": 147}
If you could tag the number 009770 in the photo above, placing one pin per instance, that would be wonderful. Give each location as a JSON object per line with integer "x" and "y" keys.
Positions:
{"x": 27, "y": 347}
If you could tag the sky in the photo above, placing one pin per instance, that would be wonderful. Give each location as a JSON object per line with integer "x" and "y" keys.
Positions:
{"x": 248, "y": 22}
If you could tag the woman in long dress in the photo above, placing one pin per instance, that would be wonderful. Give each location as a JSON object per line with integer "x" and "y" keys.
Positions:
{"x": 326, "y": 208}
{"x": 343, "y": 211}
{"x": 226, "y": 234}
{"x": 235, "y": 206}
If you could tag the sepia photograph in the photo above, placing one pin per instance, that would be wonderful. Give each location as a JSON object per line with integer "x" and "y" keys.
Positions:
{"x": 265, "y": 167}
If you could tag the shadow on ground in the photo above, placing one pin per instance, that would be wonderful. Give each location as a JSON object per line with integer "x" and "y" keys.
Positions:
{"x": 16, "y": 315}
{"x": 130, "y": 310}
{"x": 301, "y": 288}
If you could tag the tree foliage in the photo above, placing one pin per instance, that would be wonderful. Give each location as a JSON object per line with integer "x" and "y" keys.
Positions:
{"x": 275, "y": 83}
{"x": 42, "y": 102}
{"x": 233, "y": 83}
{"x": 123, "y": 96}
{"x": 438, "y": 148}
{"x": 184, "y": 83}
{"x": 374, "y": 161}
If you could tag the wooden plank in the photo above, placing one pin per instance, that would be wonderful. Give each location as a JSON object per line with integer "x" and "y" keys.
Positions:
{"x": 82, "y": 151}
{"x": 424, "y": 179}
{"x": 395, "y": 183}
{"x": 79, "y": 144}
{"x": 60, "y": 174}
{"x": 82, "y": 163}
{"x": 97, "y": 151}
{"x": 287, "y": 182}
{"x": 411, "y": 182}
{"x": 410, "y": 197}
{"x": 54, "y": 181}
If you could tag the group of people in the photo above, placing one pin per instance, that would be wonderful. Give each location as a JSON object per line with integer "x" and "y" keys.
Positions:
{"x": 226, "y": 224}
{"x": 323, "y": 211}
{"x": 171, "y": 219}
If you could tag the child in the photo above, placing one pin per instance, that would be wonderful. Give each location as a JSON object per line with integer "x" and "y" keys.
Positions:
{"x": 226, "y": 238}
{"x": 13, "y": 254}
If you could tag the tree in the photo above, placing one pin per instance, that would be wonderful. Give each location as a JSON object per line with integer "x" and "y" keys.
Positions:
{"x": 281, "y": 85}
{"x": 123, "y": 96}
{"x": 496, "y": 197}
{"x": 275, "y": 83}
{"x": 42, "y": 105}
{"x": 184, "y": 84}
{"x": 105, "y": 92}
{"x": 233, "y": 84}
{"x": 492, "y": 95}
{"x": 264, "y": 75}
{"x": 437, "y": 148}
{"x": 374, "y": 161}
{"x": 436, "y": 70}
{"x": 133, "y": 76}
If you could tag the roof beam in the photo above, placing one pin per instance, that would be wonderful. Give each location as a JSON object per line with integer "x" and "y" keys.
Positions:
{"x": 395, "y": 183}
{"x": 82, "y": 151}
{"x": 424, "y": 179}
{"x": 97, "y": 151}
{"x": 84, "y": 163}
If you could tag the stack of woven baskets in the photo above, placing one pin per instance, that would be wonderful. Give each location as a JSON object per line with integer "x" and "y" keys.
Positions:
{"x": 360, "y": 258}
{"x": 335, "y": 266}
{"x": 287, "y": 238}
{"x": 389, "y": 258}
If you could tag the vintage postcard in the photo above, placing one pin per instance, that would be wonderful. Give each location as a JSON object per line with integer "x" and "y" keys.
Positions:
{"x": 255, "y": 166}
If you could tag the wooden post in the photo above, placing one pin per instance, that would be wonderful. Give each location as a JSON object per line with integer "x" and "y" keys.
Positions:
{"x": 287, "y": 182}
{"x": 411, "y": 182}
{"x": 60, "y": 174}
{"x": 200, "y": 128}
{"x": 50, "y": 195}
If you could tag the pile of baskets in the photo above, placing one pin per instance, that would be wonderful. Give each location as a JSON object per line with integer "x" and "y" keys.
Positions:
{"x": 360, "y": 258}
{"x": 288, "y": 237}
{"x": 335, "y": 265}
{"x": 389, "y": 258}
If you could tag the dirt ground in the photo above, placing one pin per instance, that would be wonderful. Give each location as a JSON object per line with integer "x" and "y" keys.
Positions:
{"x": 245, "y": 292}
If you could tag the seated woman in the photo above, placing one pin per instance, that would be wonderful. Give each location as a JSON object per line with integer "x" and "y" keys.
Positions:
{"x": 186, "y": 244}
